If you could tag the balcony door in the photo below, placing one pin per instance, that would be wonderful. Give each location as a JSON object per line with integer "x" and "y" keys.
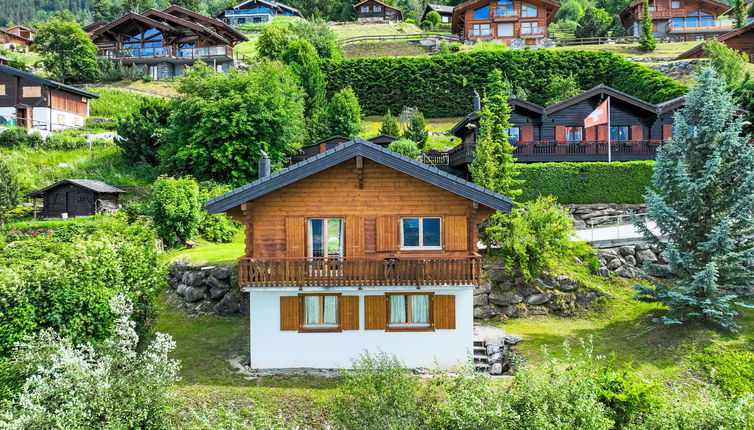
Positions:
{"x": 326, "y": 247}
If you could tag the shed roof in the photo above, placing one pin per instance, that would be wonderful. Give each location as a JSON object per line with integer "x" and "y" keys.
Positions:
{"x": 347, "y": 151}
{"x": 440, "y": 8}
{"x": 46, "y": 82}
{"x": 90, "y": 184}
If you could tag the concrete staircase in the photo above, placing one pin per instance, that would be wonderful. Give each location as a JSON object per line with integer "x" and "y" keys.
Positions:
{"x": 480, "y": 356}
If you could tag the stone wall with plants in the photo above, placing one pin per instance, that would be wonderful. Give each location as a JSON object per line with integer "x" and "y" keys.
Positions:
{"x": 596, "y": 214}
{"x": 204, "y": 289}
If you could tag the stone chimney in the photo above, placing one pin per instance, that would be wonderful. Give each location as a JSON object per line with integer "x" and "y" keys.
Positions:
{"x": 264, "y": 165}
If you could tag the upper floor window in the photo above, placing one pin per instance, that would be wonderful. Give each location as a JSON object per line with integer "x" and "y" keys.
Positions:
{"x": 377, "y": 8}
{"x": 528, "y": 11}
{"x": 505, "y": 8}
{"x": 365, "y": 9}
{"x": 390, "y": 12}
{"x": 675, "y": 4}
{"x": 514, "y": 134}
{"x": 619, "y": 133}
{"x": 409, "y": 311}
{"x": 420, "y": 233}
{"x": 325, "y": 237}
{"x": 482, "y": 13}
{"x": 320, "y": 311}
{"x": 529, "y": 28}
{"x": 573, "y": 134}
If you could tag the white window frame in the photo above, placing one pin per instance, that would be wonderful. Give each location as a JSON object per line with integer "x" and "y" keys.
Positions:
{"x": 421, "y": 246}
{"x": 673, "y": 4}
{"x": 529, "y": 27}
{"x": 310, "y": 235}
{"x": 523, "y": 9}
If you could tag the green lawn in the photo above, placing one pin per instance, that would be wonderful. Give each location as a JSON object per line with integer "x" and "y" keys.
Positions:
{"x": 345, "y": 31}
{"x": 207, "y": 252}
{"x": 663, "y": 51}
{"x": 372, "y": 124}
{"x": 387, "y": 49}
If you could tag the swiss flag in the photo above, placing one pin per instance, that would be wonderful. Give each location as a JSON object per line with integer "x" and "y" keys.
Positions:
{"x": 599, "y": 116}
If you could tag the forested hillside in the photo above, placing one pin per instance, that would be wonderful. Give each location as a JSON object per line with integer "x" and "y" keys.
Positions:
{"x": 30, "y": 11}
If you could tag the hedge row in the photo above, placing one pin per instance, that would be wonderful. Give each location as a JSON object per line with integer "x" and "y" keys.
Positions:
{"x": 443, "y": 86}
{"x": 588, "y": 182}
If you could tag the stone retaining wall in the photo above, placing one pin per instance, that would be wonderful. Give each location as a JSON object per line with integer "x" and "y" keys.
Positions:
{"x": 206, "y": 289}
{"x": 628, "y": 261}
{"x": 587, "y": 214}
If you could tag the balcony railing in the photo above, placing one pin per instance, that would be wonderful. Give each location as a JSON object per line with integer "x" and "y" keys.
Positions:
{"x": 506, "y": 13}
{"x": 242, "y": 12}
{"x": 169, "y": 52}
{"x": 690, "y": 25}
{"x": 340, "y": 272}
{"x": 536, "y": 152}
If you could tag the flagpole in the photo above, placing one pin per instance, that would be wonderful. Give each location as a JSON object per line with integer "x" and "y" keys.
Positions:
{"x": 609, "y": 146}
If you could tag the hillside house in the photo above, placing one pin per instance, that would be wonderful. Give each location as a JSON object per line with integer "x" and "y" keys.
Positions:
{"x": 16, "y": 38}
{"x": 257, "y": 12}
{"x": 740, "y": 39}
{"x": 30, "y": 101}
{"x": 504, "y": 20}
{"x": 557, "y": 133}
{"x": 680, "y": 19}
{"x": 446, "y": 13}
{"x": 358, "y": 249}
{"x": 166, "y": 43}
{"x": 375, "y": 10}
{"x": 72, "y": 198}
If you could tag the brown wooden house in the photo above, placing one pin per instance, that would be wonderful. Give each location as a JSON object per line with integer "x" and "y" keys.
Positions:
{"x": 446, "y": 13}
{"x": 359, "y": 247}
{"x": 741, "y": 39}
{"x": 16, "y": 38}
{"x": 375, "y": 10}
{"x": 504, "y": 20}
{"x": 679, "y": 19}
{"x": 72, "y": 198}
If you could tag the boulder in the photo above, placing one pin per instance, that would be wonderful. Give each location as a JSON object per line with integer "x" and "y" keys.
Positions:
{"x": 538, "y": 310}
{"x": 231, "y": 304}
{"x": 614, "y": 264}
{"x": 505, "y": 299}
{"x": 512, "y": 339}
{"x": 626, "y": 272}
{"x": 485, "y": 312}
{"x": 191, "y": 293}
{"x": 480, "y": 299}
{"x": 524, "y": 288}
{"x": 604, "y": 272}
{"x": 515, "y": 311}
{"x": 585, "y": 298}
{"x": 483, "y": 288}
{"x": 646, "y": 255}
{"x": 217, "y": 293}
{"x": 193, "y": 278}
{"x": 493, "y": 349}
{"x": 496, "y": 369}
{"x": 212, "y": 282}
{"x": 495, "y": 358}
{"x": 630, "y": 259}
{"x": 539, "y": 299}
{"x": 567, "y": 284}
{"x": 627, "y": 250}
{"x": 222, "y": 273}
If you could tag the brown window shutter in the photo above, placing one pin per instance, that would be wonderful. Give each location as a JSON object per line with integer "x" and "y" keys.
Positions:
{"x": 455, "y": 233}
{"x": 375, "y": 312}
{"x": 387, "y": 233}
{"x": 349, "y": 312}
{"x": 589, "y": 134}
{"x": 445, "y": 312}
{"x": 355, "y": 237}
{"x": 559, "y": 133}
{"x": 637, "y": 132}
{"x": 295, "y": 233}
{"x": 602, "y": 133}
{"x": 667, "y": 131}
{"x": 527, "y": 133}
{"x": 289, "y": 312}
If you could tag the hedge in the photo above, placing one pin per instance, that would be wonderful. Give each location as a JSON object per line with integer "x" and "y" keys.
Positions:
{"x": 587, "y": 182}
{"x": 443, "y": 86}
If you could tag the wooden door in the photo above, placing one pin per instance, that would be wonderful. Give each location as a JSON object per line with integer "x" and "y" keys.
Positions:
{"x": 70, "y": 203}
{"x": 24, "y": 117}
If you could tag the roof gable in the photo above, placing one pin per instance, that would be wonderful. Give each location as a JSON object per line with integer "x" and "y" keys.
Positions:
{"x": 89, "y": 184}
{"x": 46, "y": 82}
{"x": 346, "y": 152}
{"x": 219, "y": 26}
{"x": 272, "y": 4}
{"x": 602, "y": 90}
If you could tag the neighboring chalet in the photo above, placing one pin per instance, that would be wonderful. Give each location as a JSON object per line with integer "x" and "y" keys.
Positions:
{"x": 375, "y": 10}
{"x": 71, "y": 198}
{"x": 165, "y": 43}
{"x": 504, "y": 20}
{"x": 741, "y": 39}
{"x": 446, "y": 12}
{"x": 31, "y": 101}
{"x": 680, "y": 19}
{"x": 357, "y": 249}
{"x": 320, "y": 147}
{"x": 556, "y": 133}
{"x": 16, "y": 38}
{"x": 257, "y": 12}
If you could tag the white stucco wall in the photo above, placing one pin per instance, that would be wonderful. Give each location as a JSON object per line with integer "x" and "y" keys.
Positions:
{"x": 273, "y": 348}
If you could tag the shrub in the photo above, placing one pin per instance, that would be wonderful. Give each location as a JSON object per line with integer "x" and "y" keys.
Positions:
{"x": 433, "y": 19}
{"x": 583, "y": 183}
{"x": 732, "y": 369}
{"x": 390, "y": 125}
{"x": 114, "y": 103}
{"x": 729, "y": 63}
{"x": 9, "y": 190}
{"x": 57, "y": 383}
{"x": 594, "y": 23}
{"x": 319, "y": 34}
{"x": 343, "y": 114}
{"x": 405, "y": 147}
{"x": 176, "y": 209}
{"x": 273, "y": 41}
{"x": 627, "y": 395}
{"x": 140, "y": 131}
{"x": 62, "y": 142}
{"x": 218, "y": 228}
{"x": 392, "y": 83}
{"x": 417, "y": 130}
{"x": 455, "y": 47}
{"x": 19, "y": 136}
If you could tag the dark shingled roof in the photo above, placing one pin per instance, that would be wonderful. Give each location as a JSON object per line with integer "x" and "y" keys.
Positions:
{"x": 46, "y": 82}
{"x": 348, "y": 151}
{"x": 90, "y": 184}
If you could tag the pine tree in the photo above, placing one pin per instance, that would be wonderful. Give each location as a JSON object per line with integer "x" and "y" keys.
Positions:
{"x": 739, "y": 14}
{"x": 617, "y": 30}
{"x": 417, "y": 130}
{"x": 702, "y": 202}
{"x": 647, "y": 42}
{"x": 390, "y": 125}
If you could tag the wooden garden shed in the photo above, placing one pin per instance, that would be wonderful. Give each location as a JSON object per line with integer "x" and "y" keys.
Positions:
{"x": 71, "y": 198}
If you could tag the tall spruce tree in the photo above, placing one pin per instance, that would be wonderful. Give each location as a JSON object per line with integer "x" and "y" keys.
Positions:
{"x": 647, "y": 41}
{"x": 390, "y": 125}
{"x": 702, "y": 201}
{"x": 739, "y": 14}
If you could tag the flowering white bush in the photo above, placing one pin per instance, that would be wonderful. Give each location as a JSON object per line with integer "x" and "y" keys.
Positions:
{"x": 110, "y": 385}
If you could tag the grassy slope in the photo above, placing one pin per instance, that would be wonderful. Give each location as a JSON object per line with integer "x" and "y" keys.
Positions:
{"x": 391, "y": 49}
{"x": 373, "y": 29}
{"x": 372, "y": 124}
{"x": 204, "y": 252}
{"x": 663, "y": 51}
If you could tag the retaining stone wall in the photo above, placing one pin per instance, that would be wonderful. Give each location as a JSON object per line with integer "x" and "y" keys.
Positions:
{"x": 206, "y": 290}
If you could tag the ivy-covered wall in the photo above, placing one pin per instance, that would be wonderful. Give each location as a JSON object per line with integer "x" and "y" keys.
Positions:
{"x": 443, "y": 86}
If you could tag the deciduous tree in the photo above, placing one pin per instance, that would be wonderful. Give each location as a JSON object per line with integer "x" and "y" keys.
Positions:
{"x": 68, "y": 53}
{"x": 343, "y": 114}
{"x": 9, "y": 189}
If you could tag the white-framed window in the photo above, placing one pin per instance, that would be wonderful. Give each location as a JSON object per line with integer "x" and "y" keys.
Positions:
{"x": 421, "y": 233}
{"x": 619, "y": 133}
{"x": 445, "y": 19}
{"x": 325, "y": 237}
{"x": 409, "y": 311}
{"x": 481, "y": 30}
{"x": 529, "y": 28}
{"x": 514, "y": 134}
{"x": 573, "y": 134}
{"x": 505, "y": 29}
{"x": 320, "y": 311}
{"x": 675, "y": 4}
{"x": 528, "y": 11}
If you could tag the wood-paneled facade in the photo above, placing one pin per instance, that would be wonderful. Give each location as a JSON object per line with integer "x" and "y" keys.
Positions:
{"x": 690, "y": 19}
{"x": 256, "y": 12}
{"x": 504, "y": 20}
{"x": 375, "y": 10}
{"x": 741, "y": 39}
{"x": 73, "y": 198}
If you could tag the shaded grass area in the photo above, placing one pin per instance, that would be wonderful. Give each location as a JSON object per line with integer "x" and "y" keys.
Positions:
{"x": 208, "y": 252}
{"x": 163, "y": 87}
{"x": 664, "y": 50}
{"x": 387, "y": 49}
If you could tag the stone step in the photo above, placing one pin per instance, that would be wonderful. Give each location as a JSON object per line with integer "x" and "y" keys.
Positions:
{"x": 480, "y": 357}
{"x": 480, "y": 348}
{"x": 480, "y": 366}
{"x": 479, "y": 343}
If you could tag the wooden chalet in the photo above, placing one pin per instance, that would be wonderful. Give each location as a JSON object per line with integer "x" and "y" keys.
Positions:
{"x": 72, "y": 198}
{"x": 375, "y": 10}
{"x": 504, "y": 20}
{"x": 359, "y": 247}
{"x": 257, "y": 12}
{"x": 557, "y": 133}
{"x": 741, "y": 39}
{"x": 446, "y": 13}
{"x": 679, "y": 19}
{"x": 30, "y": 101}
{"x": 16, "y": 38}
{"x": 164, "y": 43}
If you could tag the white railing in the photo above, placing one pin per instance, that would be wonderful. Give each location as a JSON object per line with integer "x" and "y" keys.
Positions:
{"x": 621, "y": 225}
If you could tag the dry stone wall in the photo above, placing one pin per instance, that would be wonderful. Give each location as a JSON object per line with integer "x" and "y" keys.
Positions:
{"x": 587, "y": 215}
{"x": 206, "y": 289}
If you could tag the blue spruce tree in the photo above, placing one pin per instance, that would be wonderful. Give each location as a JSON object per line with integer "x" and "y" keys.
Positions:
{"x": 702, "y": 201}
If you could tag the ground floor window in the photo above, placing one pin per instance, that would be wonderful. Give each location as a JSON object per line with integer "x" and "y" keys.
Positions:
{"x": 320, "y": 311}
{"x": 529, "y": 28}
{"x": 481, "y": 30}
{"x": 409, "y": 311}
{"x": 514, "y": 134}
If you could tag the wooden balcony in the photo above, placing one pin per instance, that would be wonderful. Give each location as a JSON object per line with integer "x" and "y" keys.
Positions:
{"x": 342, "y": 272}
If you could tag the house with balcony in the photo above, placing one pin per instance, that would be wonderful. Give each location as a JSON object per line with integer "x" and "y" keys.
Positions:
{"x": 740, "y": 39}
{"x": 446, "y": 13}
{"x": 359, "y": 248}
{"x": 557, "y": 133}
{"x": 165, "y": 43}
{"x": 504, "y": 20}
{"x": 679, "y": 19}
{"x": 16, "y": 38}
{"x": 375, "y": 10}
{"x": 257, "y": 12}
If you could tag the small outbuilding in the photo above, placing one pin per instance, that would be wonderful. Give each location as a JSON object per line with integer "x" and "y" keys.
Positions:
{"x": 71, "y": 198}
